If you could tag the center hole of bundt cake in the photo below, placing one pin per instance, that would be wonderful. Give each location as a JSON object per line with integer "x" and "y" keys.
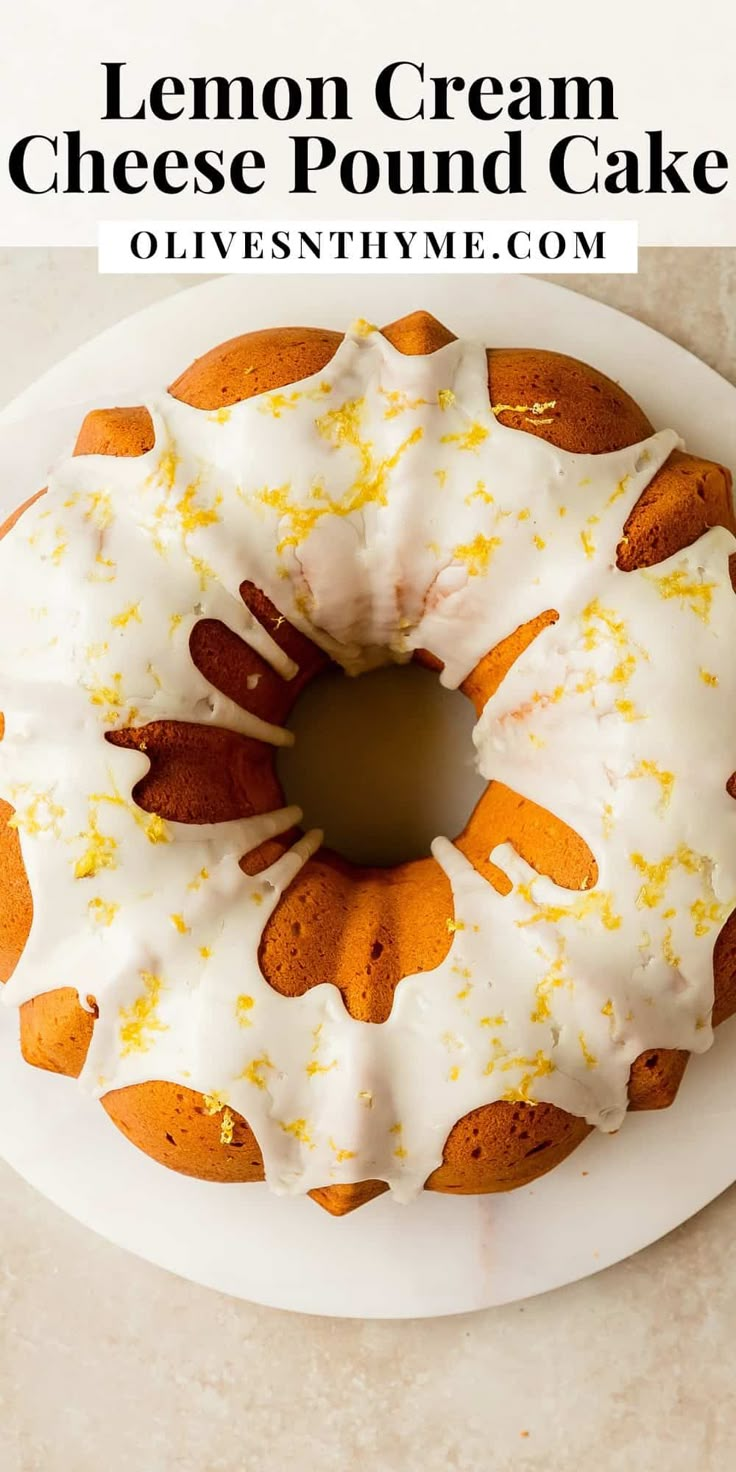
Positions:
{"x": 383, "y": 763}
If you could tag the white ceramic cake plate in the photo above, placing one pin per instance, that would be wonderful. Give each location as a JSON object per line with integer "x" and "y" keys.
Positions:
{"x": 440, "y": 1255}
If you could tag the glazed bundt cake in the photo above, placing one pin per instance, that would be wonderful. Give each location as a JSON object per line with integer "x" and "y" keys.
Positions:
{"x": 248, "y": 1004}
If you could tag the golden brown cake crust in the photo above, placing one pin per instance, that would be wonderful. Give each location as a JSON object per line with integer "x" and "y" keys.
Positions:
{"x": 366, "y": 927}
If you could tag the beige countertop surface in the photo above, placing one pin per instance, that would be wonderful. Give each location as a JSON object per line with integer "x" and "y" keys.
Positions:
{"x": 109, "y": 1364}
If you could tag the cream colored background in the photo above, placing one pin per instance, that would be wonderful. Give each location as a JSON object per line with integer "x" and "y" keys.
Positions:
{"x": 107, "y": 1364}
{"x": 51, "y": 80}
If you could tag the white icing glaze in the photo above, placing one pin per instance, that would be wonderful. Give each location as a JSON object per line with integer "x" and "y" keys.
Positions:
{"x": 383, "y": 508}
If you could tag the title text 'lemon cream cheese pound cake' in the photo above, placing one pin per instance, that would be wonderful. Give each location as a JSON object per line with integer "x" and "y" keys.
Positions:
{"x": 246, "y": 1003}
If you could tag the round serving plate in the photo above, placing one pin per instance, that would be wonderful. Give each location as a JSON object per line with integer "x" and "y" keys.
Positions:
{"x": 440, "y": 1255}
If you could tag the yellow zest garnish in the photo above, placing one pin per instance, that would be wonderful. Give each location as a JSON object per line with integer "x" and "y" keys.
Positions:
{"x": 590, "y": 1059}
{"x": 481, "y": 493}
{"x": 299, "y": 1128}
{"x": 668, "y": 950}
{"x": 339, "y": 1154}
{"x": 476, "y": 555}
{"x": 555, "y": 977}
{"x": 698, "y": 596}
{"x": 619, "y": 491}
{"x": 101, "y": 850}
{"x": 99, "y": 509}
{"x": 537, "y": 1067}
{"x": 399, "y": 1152}
{"x": 108, "y": 697}
{"x": 627, "y": 709}
{"x": 657, "y": 875}
{"x": 140, "y": 1022}
{"x": 255, "y": 1070}
{"x": 314, "y": 1067}
{"x": 339, "y": 427}
{"x": 60, "y": 548}
{"x": 103, "y": 911}
{"x": 155, "y": 828}
{"x": 165, "y": 472}
{"x": 398, "y": 402}
{"x": 666, "y": 780}
{"x": 538, "y": 408}
{"x": 40, "y": 815}
{"x": 705, "y": 914}
{"x": 204, "y": 572}
{"x": 199, "y": 879}
{"x": 110, "y": 570}
{"x": 595, "y": 903}
{"x": 277, "y": 404}
{"x": 467, "y": 439}
{"x": 126, "y": 616}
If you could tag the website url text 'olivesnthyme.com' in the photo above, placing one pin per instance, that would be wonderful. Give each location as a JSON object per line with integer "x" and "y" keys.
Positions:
{"x": 341, "y": 247}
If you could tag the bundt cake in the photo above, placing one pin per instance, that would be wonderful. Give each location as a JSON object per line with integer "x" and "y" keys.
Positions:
{"x": 248, "y": 1004}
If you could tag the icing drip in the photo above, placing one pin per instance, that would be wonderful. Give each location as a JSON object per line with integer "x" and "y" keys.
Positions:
{"x": 383, "y": 508}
